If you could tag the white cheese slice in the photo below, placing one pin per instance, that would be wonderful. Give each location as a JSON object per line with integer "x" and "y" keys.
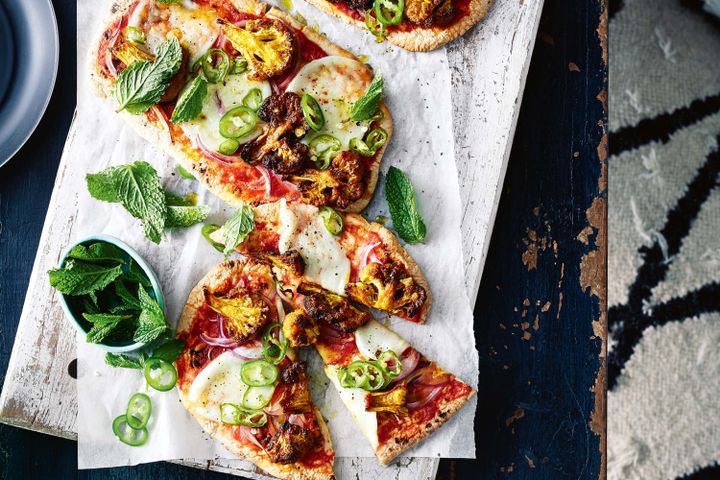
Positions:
{"x": 219, "y": 382}
{"x": 336, "y": 83}
{"x": 373, "y": 338}
{"x": 222, "y": 97}
{"x": 302, "y": 229}
{"x": 354, "y": 400}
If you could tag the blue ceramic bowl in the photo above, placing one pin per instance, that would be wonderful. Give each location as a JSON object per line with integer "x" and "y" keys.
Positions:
{"x": 67, "y": 303}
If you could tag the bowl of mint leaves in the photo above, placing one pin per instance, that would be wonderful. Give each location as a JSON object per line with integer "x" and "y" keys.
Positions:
{"x": 111, "y": 294}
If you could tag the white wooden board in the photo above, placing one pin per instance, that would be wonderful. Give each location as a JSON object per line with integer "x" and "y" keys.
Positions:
{"x": 489, "y": 65}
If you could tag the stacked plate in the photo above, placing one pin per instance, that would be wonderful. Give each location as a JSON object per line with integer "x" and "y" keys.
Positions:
{"x": 29, "y": 50}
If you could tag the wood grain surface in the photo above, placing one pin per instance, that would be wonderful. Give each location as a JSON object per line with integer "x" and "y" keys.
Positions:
{"x": 537, "y": 416}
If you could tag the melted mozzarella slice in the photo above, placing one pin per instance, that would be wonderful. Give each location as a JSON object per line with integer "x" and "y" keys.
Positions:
{"x": 336, "y": 83}
{"x": 373, "y": 338}
{"x": 354, "y": 400}
{"x": 302, "y": 229}
{"x": 220, "y": 98}
{"x": 219, "y": 382}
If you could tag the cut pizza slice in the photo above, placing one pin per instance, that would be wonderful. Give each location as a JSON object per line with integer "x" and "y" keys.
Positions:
{"x": 396, "y": 395}
{"x": 255, "y": 105}
{"x": 242, "y": 382}
{"x": 415, "y": 25}
{"x": 349, "y": 259}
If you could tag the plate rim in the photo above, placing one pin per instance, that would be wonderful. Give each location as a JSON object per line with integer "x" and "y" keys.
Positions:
{"x": 56, "y": 63}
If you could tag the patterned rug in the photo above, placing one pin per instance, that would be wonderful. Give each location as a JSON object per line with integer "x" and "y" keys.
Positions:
{"x": 664, "y": 240}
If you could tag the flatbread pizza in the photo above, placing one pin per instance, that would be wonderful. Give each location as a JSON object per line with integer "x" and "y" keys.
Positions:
{"x": 240, "y": 379}
{"x": 342, "y": 256}
{"x": 415, "y": 25}
{"x": 255, "y": 105}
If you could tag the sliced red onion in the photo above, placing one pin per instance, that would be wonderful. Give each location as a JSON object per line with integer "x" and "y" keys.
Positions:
{"x": 409, "y": 363}
{"x": 246, "y": 433}
{"x": 218, "y": 157}
{"x": 268, "y": 179}
{"x": 219, "y": 104}
{"x": 280, "y": 309}
{"x": 298, "y": 420}
{"x": 331, "y": 335}
{"x": 161, "y": 116}
{"x": 366, "y": 255}
{"x": 108, "y": 53}
{"x": 247, "y": 354}
{"x": 218, "y": 342}
{"x": 421, "y": 403}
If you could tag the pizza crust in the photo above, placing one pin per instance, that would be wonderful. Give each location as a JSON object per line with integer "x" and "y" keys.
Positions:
{"x": 191, "y": 159}
{"x": 222, "y": 432}
{"x": 387, "y": 452}
{"x": 419, "y": 39}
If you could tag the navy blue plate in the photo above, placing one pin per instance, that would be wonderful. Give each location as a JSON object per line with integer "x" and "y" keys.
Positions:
{"x": 29, "y": 50}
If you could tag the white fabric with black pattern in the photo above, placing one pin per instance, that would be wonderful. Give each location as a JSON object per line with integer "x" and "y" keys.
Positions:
{"x": 664, "y": 240}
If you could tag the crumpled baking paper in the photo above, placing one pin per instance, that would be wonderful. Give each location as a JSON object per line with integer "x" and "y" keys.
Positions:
{"x": 417, "y": 91}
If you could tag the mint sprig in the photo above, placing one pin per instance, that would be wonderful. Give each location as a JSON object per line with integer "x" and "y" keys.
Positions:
{"x": 237, "y": 228}
{"x": 81, "y": 278}
{"x": 151, "y": 322}
{"x": 368, "y": 105}
{"x": 137, "y": 187}
{"x": 400, "y": 196}
{"x": 190, "y": 101}
{"x": 142, "y": 84}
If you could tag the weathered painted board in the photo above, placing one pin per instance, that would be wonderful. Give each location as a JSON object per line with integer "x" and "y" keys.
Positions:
{"x": 488, "y": 66}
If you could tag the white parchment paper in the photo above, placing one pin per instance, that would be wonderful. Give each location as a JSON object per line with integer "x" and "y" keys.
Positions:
{"x": 417, "y": 90}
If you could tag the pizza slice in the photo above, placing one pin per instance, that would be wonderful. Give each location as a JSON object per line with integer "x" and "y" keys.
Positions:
{"x": 242, "y": 382}
{"x": 252, "y": 103}
{"x": 415, "y": 25}
{"x": 397, "y": 396}
{"x": 344, "y": 258}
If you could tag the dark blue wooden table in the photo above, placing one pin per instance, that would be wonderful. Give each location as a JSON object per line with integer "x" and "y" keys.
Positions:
{"x": 540, "y": 314}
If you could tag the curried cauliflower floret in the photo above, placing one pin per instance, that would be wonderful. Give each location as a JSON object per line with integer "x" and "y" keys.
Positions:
{"x": 278, "y": 147}
{"x": 388, "y": 287}
{"x": 289, "y": 443}
{"x": 390, "y": 401}
{"x": 340, "y": 185}
{"x": 267, "y": 45}
{"x": 297, "y": 398}
{"x": 300, "y": 329}
{"x": 290, "y": 261}
{"x": 245, "y": 311}
{"x": 325, "y": 306}
{"x": 420, "y": 11}
{"x": 129, "y": 53}
{"x": 443, "y": 14}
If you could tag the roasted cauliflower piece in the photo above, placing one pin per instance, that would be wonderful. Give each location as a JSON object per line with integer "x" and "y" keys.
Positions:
{"x": 356, "y": 4}
{"x": 444, "y": 13}
{"x": 340, "y": 185}
{"x": 267, "y": 45}
{"x": 391, "y": 401}
{"x": 325, "y": 306}
{"x": 388, "y": 287}
{"x": 300, "y": 329}
{"x": 420, "y": 11}
{"x": 297, "y": 398}
{"x": 289, "y": 443}
{"x": 278, "y": 147}
{"x": 129, "y": 53}
{"x": 290, "y": 261}
{"x": 246, "y": 312}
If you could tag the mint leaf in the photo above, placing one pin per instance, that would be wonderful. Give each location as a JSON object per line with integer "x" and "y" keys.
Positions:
{"x": 182, "y": 217}
{"x": 137, "y": 187}
{"x": 151, "y": 322}
{"x": 143, "y": 83}
{"x": 190, "y": 101}
{"x": 135, "y": 273}
{"x": 103, "y": 325}
{"x": 237, "y": 228}
{"x": 400, "y": 196}
{"x": 368, "y": 104}
{"x": 129, "y": 301}
{"x": 170, "y": 350}
{"x": 122, "y": 361}
{"x": 98, "y": 252}
{"x": 80, "y": 278}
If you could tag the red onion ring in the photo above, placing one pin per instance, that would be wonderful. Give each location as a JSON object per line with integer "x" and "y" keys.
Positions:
{"x": 219, "y": 104}
{"x": 280, "y": 309}
{"x": 219, "y": 157}
{"x": 298, "y": 420}
{"x": 281, "y": 293}
{"x": 108, "y": 52}
{"x": 268, "y": 179}
{"x": 248, "y": 353}
{"x": 218, "y": 342}
{"x": 366, "y": 254}
{"x": 421, "y": 403}
{"x": 331, "y": 335}
{"x": 409, "y": 363}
